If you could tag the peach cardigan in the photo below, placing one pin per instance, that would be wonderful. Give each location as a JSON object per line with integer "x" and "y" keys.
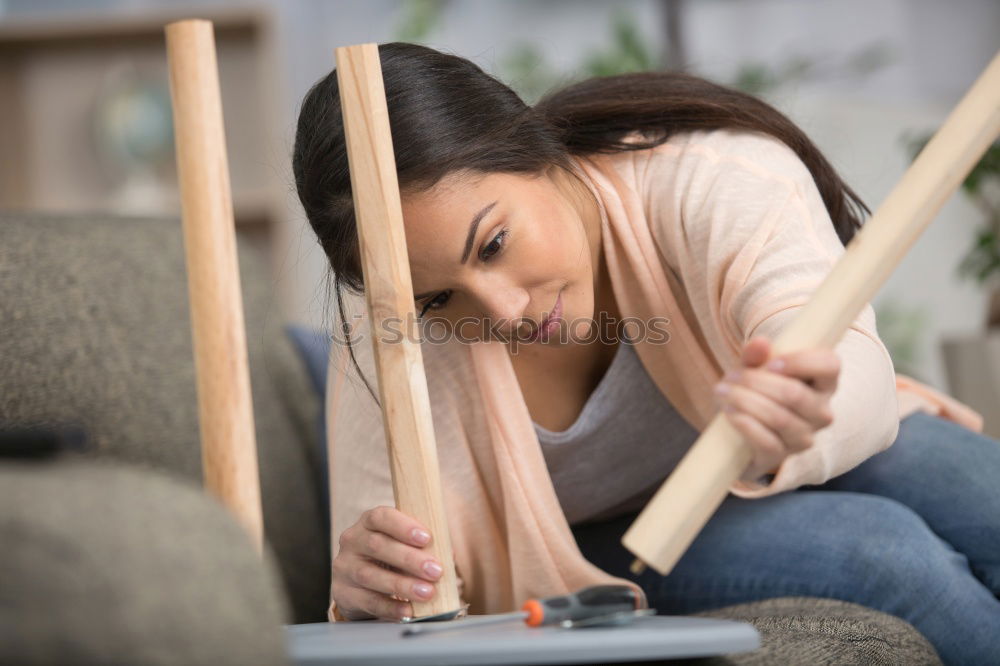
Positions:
{"x": 722, "y": 232}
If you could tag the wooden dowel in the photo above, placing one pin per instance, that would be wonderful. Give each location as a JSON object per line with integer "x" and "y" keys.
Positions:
{"x": 225, "y": 408}
{"x": 673, "y": 517}
{"x": 406, "y": 410}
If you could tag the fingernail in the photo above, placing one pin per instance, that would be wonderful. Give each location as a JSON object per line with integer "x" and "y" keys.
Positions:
{"x": 777, "y": 365}
{"x": 422, "y": 590}
{"x": 721, "y": 388}
{"x": 432, "y": 568}
{"x": 420, "y": 536}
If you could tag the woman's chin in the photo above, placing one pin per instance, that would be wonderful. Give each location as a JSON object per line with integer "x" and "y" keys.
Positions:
{"x": 581, "y": 329}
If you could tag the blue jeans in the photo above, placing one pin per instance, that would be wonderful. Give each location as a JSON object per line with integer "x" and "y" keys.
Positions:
{"x": 913, "y": 531}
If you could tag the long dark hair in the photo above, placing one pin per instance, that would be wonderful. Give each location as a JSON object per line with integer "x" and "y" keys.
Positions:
{"x": 448, "y": 115}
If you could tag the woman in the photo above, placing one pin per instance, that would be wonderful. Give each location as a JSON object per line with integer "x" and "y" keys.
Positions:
{"x": 616, "y": 248}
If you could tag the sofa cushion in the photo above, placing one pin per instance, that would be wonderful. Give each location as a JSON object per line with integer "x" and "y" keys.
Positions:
{"x": 817, "y": 631}
{"x": 95, "y": 332}
{"x": 104, "y": 563}
{"x": 314, "y": 348}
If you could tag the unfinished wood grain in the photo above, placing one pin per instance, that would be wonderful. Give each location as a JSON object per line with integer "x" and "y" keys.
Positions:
{"x": 402, "y": 384}
{"x": 225, "y": 408}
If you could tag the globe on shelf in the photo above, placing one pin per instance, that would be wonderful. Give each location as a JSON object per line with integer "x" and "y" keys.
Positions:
{"x": 134, "y": 139}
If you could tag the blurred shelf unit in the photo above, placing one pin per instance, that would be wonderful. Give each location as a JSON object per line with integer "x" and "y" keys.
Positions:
{"x": 85, "y": 120}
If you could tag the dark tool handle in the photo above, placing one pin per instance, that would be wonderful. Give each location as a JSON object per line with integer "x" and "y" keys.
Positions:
{"x": 588, "y": 602}
{"x": 42, "y": 441}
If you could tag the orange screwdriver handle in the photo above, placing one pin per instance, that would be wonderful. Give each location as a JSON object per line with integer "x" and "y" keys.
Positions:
{"x": 589, "y": 602}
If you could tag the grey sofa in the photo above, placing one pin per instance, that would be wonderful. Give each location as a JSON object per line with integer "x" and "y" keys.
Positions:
{"x": 113, "y": 553}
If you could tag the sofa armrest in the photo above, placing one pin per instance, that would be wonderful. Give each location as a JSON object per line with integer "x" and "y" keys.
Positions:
{"x": 108, "y": 563}
{"x": 815, "y": 630}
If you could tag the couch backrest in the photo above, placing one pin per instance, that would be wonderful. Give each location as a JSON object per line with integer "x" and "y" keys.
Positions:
{"x": 95, "y": 332}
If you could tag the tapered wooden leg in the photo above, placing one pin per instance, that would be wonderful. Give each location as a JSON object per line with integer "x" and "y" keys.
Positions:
{"x": 225, "y": 408}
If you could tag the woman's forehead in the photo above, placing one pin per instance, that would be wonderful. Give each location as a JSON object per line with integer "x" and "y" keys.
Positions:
{"x": 451, "y": 206}
{"x": 444, "y": 223}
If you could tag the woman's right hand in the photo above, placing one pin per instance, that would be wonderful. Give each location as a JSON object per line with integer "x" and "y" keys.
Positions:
{"x": 382, "y": 564}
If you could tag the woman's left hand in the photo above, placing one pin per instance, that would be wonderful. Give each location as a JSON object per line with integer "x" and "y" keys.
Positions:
{"x": 778, "y": 410}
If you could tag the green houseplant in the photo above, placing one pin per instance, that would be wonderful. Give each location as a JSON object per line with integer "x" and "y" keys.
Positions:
{"x": 981, "y": 262}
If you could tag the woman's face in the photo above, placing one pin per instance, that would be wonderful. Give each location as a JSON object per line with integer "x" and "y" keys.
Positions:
{"x": 505, "y": 248}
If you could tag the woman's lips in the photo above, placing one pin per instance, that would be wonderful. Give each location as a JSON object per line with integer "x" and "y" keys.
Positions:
{"x": 550, "y": 323}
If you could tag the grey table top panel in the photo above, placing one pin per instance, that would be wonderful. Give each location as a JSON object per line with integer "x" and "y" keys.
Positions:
{"x": 653, "y": 637}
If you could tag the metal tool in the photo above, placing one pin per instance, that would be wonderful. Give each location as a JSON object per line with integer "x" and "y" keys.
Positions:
{"x": 439, "y": 617}
{"x": 598, "y": 601}
{"x": 611, "y": 620}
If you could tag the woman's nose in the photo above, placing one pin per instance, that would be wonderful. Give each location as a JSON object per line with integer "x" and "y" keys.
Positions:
{"x": 504, "y": 306}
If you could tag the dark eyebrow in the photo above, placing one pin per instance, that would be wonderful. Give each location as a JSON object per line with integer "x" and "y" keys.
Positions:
{"x": 468, "y": 241}
{"x": 472, "y": 229}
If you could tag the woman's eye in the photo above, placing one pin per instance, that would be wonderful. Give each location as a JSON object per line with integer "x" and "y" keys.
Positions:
{"x": 435, "y": 302}
{"x": 486, "y": 254}
{"x": 495, "y": 244}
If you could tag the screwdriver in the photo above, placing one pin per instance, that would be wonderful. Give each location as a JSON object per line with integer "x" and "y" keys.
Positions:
{"x": 593, "y": 601}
